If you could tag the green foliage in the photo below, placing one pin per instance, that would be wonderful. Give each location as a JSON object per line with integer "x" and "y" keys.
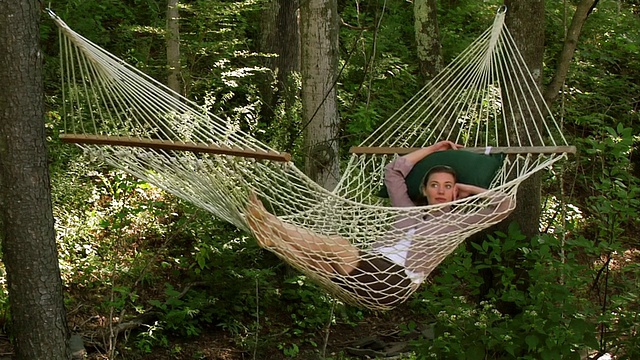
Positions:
{"x": 181, "y": 314}
{"x": 614, "y": 199}
{"x": 556, "y": 319}
{"x": 613, "y": 206}
{"x": 605, "y": 185}
{"x": 460, "y": 23}
{"x": 222, "y": 68}
{"x": 378, "y": 73}
{"x": 133, "y": 30}
{"x": 605, "y": 69}
{"x": 284, "y": 131}
{"x": 310, "y": 311}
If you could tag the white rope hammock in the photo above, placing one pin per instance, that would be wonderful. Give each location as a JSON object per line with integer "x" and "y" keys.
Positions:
{"x": 485, "y": 99}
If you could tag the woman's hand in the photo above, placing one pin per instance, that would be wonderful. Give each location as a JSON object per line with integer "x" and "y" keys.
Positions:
{"x": 419, "y": 154}
{"x": 465, "y": 190}
{"x": 444, "y": 145}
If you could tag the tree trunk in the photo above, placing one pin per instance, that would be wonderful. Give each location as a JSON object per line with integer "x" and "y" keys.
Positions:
{"x": 319, "y": 39}
{"x": 29, "y": 246}
{"x": 281, "y": 37}
{"x": 525, "y": 20}
{"x": 173, "y": 46}
{"x": 427, "y": 37}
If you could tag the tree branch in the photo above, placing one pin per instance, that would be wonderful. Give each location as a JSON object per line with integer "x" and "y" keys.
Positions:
{"x": 583, "y": 10}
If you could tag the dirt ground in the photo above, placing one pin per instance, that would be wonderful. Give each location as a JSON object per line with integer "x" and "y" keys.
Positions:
{"x": 376, "y": 335}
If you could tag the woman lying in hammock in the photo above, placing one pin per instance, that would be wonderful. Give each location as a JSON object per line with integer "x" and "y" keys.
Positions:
{"x": 384, "y": 274}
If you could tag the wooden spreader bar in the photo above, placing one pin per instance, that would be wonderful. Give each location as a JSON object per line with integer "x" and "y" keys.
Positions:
{"x": 480, "y": 150}
{"x": 172, "y": 145}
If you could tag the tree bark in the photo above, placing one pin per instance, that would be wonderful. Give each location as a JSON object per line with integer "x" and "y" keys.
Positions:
{"x": 173, "y": 46}
{"x": 29, "y": 247}
{"x": 427, "y": 37}
{"x": 580, "y": 16}
{"x": 319, "y": 63}
{"x": 525, "y": 20}
{"x": 281, "y": 37}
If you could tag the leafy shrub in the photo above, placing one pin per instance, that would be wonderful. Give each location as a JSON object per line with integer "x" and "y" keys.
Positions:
{"x": 556, "y": 319}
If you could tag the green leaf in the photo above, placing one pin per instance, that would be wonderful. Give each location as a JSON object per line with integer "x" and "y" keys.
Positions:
{"x": 476, "y": 246}
{"x": 475, "y": 352}
{"x": 532, "y": 341}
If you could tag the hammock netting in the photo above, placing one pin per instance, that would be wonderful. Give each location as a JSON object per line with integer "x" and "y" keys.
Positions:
{"x": 486, "y": 100}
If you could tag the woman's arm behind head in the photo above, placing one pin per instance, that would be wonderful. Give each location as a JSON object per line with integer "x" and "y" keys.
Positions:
{"x": 500, "y": 206}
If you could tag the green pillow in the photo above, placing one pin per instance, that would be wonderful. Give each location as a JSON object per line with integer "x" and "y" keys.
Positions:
{"x": 471, "y": 168}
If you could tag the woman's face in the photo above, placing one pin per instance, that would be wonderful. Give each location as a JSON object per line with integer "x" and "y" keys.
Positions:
{"x": 440, "y": 188}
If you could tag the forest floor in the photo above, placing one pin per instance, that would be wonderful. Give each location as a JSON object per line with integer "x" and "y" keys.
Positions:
{"x": 374, "y": 336}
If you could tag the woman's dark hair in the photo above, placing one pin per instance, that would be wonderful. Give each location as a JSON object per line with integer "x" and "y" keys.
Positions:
{"x": 439, "y": 169}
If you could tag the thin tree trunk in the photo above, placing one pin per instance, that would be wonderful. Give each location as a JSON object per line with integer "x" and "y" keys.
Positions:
{"x": 583, "y": 10}
{"x": 173, "y": 46}
{"x": 319, "y": 39}
{"x": 29, "y": 248}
